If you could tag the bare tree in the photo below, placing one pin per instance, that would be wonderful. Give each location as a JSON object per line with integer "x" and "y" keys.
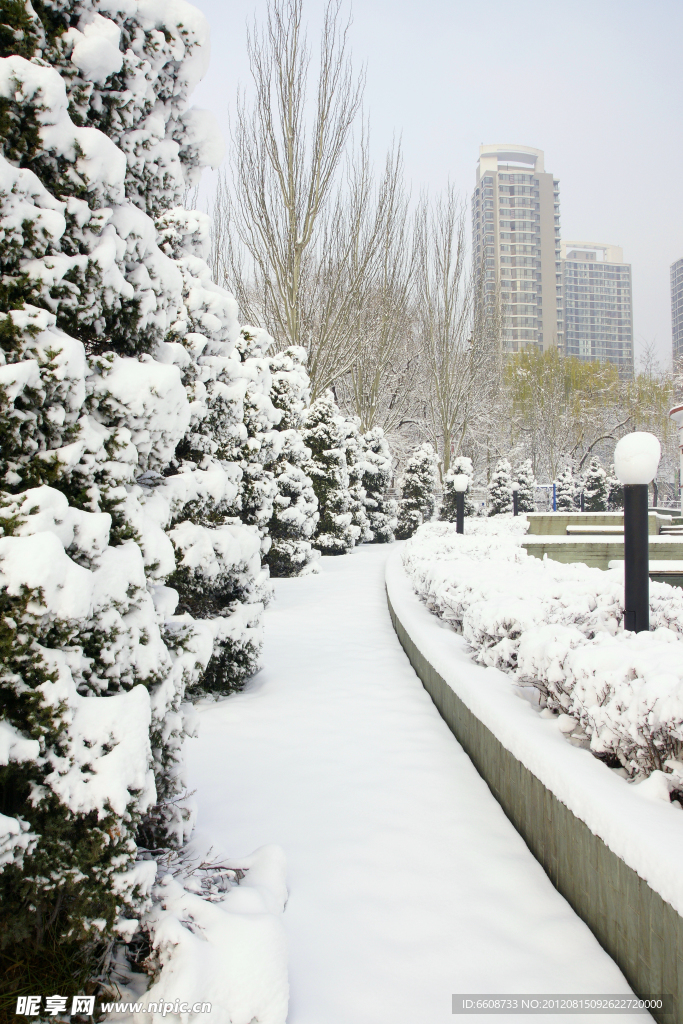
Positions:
{"x": 458, "y": 330}
{"x": 301, "y": 224}
{"x": 346, "y": 270}
{"x": 380, "y": 386}
{"x": 283, "y": 174}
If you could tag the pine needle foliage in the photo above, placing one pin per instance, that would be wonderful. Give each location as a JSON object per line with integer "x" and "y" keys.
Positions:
{"x": 564, "y": 491}
{"x": 527, "y": 481}
{"x": 500, "y": 489}
{"x": 595, "y": 493}
{"x": 418, "y": 491}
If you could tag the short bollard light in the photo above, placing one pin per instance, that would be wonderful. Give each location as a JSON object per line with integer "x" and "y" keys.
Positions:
{"x": 515, "y": 498}
{"x": 460, "y": 484}
{"x": 636, "y": 458}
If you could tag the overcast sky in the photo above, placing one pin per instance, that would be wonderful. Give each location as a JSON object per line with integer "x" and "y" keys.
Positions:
{"x": 596, "y": 84}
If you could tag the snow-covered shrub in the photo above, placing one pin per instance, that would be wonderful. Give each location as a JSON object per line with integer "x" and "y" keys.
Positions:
{"x": 121, "y": 393}
{"x": 560, "y": 628}
{"x": 418, "y": 486}
{"x": 324, "y": 434}
{"x": 258, "y": 447}
{"x": 129, "y": 69}
{"x": 595, "y": 495}
{"x": 355, "y": 448}
{"x": 500, "y": 489}
{"x": 623, "y": 691}
{"x": 82, "y": 660}
{"x": 615, "y": 491}
{"x": 564, "y": 490}
{"x": 216, "y": 482}
{"x": 295, "y": 507}
{"x": 69, "y": 459}
{"x": 527, "y": 481}
{"x": 381, "y": 510}
{"x": 448, "y": 512}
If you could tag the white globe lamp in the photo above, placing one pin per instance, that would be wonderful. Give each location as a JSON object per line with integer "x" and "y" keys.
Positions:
{"x": 636, "y": 458}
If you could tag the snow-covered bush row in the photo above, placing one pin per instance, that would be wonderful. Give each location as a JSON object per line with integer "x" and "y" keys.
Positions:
{"x": 601, "y": 491}
{"x": 351, "y": 472}
{"x": 560, "y": 628}
{"x": 151, "y": 462}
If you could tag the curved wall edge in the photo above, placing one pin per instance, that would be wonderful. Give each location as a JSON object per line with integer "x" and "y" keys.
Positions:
{"x": 641, "y": 932}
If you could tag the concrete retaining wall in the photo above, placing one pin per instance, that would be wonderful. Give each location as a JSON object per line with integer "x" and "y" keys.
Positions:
{"x": 556, "y": 523}
{"x": 642, "y": 932}
{"x": 598, "y": 551}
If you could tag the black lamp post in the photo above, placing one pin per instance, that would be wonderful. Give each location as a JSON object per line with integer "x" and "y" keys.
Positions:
{"x": 636, "y": 559}
{"x": 636, "y": 458}
{"x": 515, "y": 499}
{"x": 460, "y": 484}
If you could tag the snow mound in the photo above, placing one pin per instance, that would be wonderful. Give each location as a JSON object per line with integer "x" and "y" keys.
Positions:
{"x": 218, "y": 937}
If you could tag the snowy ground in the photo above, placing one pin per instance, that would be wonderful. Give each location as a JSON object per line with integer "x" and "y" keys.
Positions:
{"x": 407, "y": 882}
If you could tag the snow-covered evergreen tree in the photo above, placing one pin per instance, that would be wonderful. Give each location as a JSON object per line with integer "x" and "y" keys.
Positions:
{"x": 578, "y": 492}
{"x": 527, "y": 482}
{"x": 595, "y": 487}
{"x": 215, "y": 482}
{"x": 418, "y": 486}
{"x": 381, "y": 510}
{"x": 615, "y": 491}
{"x": 295, "y": 509}
{"x": 355, "y": 449}
{"x": 324, "y": 434}
{"x": 564, "y": 491}
{"x": 120, "y": 391}
{"x": 500, "y": 489}
{"x": 259, "y": 447}
{"x": 461, "y": 464}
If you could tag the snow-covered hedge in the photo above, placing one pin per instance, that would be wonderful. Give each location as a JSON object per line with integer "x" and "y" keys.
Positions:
{"x": 560, "y": 628}
{"x": 133, "y": 495}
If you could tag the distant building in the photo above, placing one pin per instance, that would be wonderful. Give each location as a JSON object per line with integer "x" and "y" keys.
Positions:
{"x": 598, "y": 308}
{"x": 677, "y": 310}
{"x": 516, "y": 243}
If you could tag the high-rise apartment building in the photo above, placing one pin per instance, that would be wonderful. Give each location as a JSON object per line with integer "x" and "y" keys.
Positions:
{"x": 516, "y": 242}
{"x": 598, "y": 309}
{"x": 677, "y": 310}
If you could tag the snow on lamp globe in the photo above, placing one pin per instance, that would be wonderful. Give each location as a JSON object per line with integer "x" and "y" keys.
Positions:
{"x": 636, "y": 458}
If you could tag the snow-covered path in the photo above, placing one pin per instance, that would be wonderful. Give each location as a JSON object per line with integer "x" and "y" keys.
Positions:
{"x": 407, "y": 882}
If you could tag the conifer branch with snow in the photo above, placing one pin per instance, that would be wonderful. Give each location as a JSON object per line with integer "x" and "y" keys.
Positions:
{"x": 418, "y": 491}
{"x": 500, "y": 489}
{"x": 127, "y": 573}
